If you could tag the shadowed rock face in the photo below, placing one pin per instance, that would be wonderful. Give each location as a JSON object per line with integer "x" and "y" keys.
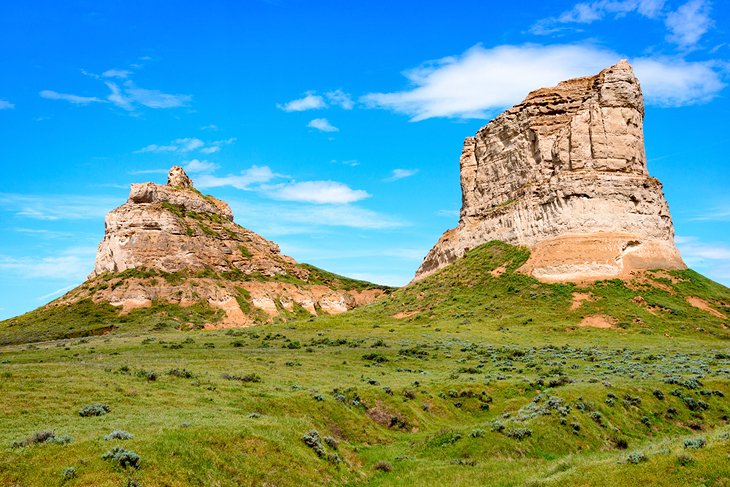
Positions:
{"x": 564, "y": 173}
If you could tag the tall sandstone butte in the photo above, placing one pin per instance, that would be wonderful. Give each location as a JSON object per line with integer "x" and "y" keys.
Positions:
{"x": 564, "y": 173}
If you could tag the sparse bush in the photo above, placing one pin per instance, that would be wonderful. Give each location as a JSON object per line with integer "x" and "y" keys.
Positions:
{"x": 519, "y": 433}
{"x": 68, "y": 474}
{"x": 94, "y": 410}
{"x": 253, "y": 377}
{"x": 658, "y": 394}
{"x": 42, "y": 437}
{"x": 478, "y": 433}
{"x": 313, "y": 441}
{"x": 331, "y": 442}
{"x": 123, "y": 458}
{"x": 684, "y": 460}
{"x": 383, "y": 466}
{"x": 695, "y": 443}
{"x": 695, "y": 404}
{"x": 118, "y": 435}
{"x": 181, "y": 373}
{"x": 636, "y": 457}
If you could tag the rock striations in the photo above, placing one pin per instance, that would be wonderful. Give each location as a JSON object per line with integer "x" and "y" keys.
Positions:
{"x": 173, "y": 245}
{"x": 564, "y": 173}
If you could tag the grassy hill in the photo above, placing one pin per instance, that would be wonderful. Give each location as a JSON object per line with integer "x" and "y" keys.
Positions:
{"x": 476, "y": 375}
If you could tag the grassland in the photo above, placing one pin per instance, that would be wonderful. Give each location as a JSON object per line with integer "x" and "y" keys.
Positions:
{"x": 469, "y": 377}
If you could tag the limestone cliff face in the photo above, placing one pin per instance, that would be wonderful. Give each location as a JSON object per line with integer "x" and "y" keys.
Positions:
{"x": 564, "y": 173}
{"x": 171, "y": 244}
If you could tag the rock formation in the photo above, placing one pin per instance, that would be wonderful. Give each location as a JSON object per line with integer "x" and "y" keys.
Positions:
{"x": 172, "y": 244}
{"x": 564, "y": 173}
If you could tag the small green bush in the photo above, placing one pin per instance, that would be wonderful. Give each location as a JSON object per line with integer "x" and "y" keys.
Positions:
{"x": 94, "y": 410}
{"x": 118, "y": 435}
{"x": 695, "y": 443}
{"x": 123, "y": 458}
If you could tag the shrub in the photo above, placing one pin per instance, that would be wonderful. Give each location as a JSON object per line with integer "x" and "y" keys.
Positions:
{"x": 636, "y": 457}
{"x": 383, "y": 466}
{"x": 118, "y": 435}
{"x": 478, "y": 433}
{"x": 68, "y": 474}
{"x": 519, "y": 433}
{"x": 331, "y": 442}
{"x": 182, "y": 373}
{"x": 123, "y": 458}
{"x": 658, "y": 394}
{"x": 695, "y": 404}
{"x": 94, "y": 410}
{"x": 313, "y": 441}
{"x": 253, "y": 377}
{"x": 695, "y": 443}
{"x": 42, "y": 437}
{"x": 684, "y": 460}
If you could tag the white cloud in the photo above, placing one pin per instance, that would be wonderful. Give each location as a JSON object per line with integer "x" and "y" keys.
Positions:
{"x": 320, "y": 192}
{"x": 712, "y": 259}
{"x": 689, "y": 23}
{"x": 720, "y": 213}
{"x": 323, "y": 125}
{"x": 75, "y": 99}
{"x": 197, "y": 166}
{"x": 448, "y": 213}
{"x": 481, "y": 81}
{"x": 400, "y": 174}
{"x": 211, "y": 126}
{"x": 674, "y": 82}
{"x": 340, "y": 98}
{"x": 245, "y": 180}
{"x": 304, "y": 218}
{"x": 187, "y": 144}
{"x": 310, "y": 101}
{"x": 128, "y": 96}
{"x": 589, "y": 12}
{"x": 69, "y": 264}
{"x": 58, "y": 207}
{"x": 6, "y": 105}
{"x": 116, "y": 73}
{"x": 57, "y": 292}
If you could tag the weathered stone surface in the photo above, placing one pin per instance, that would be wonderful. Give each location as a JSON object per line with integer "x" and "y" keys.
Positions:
{"x": 176, "y": 230}
{"x": 564, "y": 173}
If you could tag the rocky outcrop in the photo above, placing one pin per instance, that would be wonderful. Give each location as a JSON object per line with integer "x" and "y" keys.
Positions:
{"x": 564, "y": 173}
{"x": 172, "y": 244}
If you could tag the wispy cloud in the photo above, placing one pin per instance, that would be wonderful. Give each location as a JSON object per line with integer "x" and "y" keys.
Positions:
{"x": 57, "y": 207}
{"x": 302, "y": 218}
{"x": 481, "y": 81}
{"x": 57, "y": 292}
{"x": 187, "y": 144}
{"x": 312, "y": 101}
{"x": 717, "y": 214}
{"x": 320, "y": 192}
{"x": 323, "y": 125}
{"x": 247, "y": 178}
{"x": 6, "y": 105}
{"x": 712, "y": 259}
{"x": 127, "y": 95}
{"x": 400, "y": 174}
{"x": 589, "y": 12}
{"x": 68, "y": 264}
{"x": 197, "y": 166}
{"x": 689, "y": 23}
{"x": 75, "y": 99}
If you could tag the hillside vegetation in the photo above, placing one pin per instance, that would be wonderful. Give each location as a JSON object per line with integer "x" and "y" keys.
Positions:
{"x": 476, "y": 375}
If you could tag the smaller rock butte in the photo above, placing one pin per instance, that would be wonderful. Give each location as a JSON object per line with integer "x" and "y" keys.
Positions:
{"x": 564, "y": 173}
{"x": 176, "y": 229}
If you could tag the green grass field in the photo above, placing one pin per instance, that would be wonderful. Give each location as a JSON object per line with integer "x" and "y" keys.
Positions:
{"x": 464, "y": 378}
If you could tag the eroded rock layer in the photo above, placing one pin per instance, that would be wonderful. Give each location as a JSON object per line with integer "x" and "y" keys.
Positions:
{"x": 564, "y": 173}
{"x": 172, "y": 244}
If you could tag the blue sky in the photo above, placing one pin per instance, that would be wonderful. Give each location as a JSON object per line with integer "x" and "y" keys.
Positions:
{"x": 332, "y": 128}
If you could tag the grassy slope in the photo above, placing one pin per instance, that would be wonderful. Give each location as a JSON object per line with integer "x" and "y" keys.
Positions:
{"x": 86, "y": 318}
{"x": 422, "y": 393}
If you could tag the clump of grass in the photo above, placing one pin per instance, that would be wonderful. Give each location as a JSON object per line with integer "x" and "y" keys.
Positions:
{"x": 519, "y": 433}
{"x": 182, "y": 373}
{"x": 123, "y": 458}
{"x": 94, "y": 410}
{"x": 314, "y": 441}
{"x": 383, "y": 466}
{"x": 42, "y": 437}
{"x": 68, "y": 473}
{"x": 636, "y": 457}
{"x": 253, "y": 377}
{"x": 118, "y": 435}
{"x": 684, "y": 460}
{"x": 695, "y": 443}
